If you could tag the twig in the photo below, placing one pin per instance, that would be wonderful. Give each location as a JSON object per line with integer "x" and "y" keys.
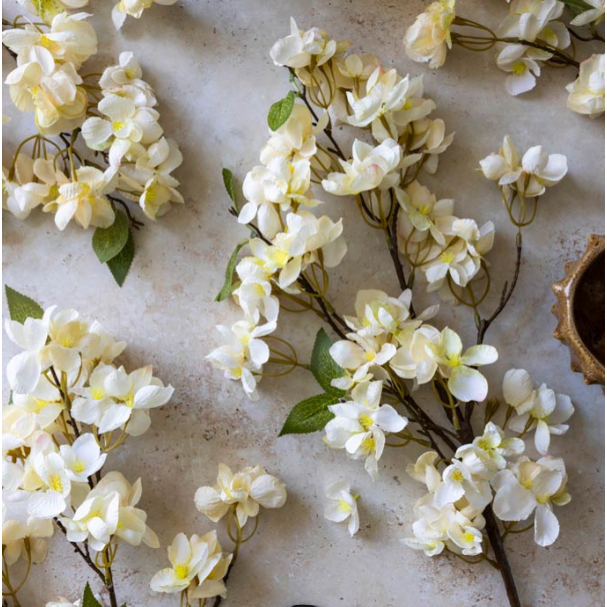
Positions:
{"x": 506, "y": 292}
{"x": 393, "y": 245}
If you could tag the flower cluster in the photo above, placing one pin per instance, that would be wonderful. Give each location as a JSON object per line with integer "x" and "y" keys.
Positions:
{"x": 528, "y": 176}
{"x": 68, "y": 399}
{"x": 199, "y": 566}
{"x": 530, "y": 38}
{"x": 490, "y": 470}
{"x": 373, "y": 376}
{"x": 448, "y": 250}
{"x": 291, "y": 246}
{"x": 128, "y": 130}
{"x": 113, "y": 112}
{"x": 530, "y": 22}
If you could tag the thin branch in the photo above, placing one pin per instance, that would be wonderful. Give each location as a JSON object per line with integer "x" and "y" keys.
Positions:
{"x": 507, "y": 292}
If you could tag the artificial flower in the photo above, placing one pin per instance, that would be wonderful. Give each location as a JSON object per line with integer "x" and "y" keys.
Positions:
{"x": 532, "y": 486}
{"x": 487, "y": 453}
{"x": 133, "y": 8}
{"x": 301, "y": 48}
{"x": 245, "y": 491}
{"x": 539, "y": 408}
{"x": 115, "y": 398}
{"x": 360, "y": 425}
{"x": 464, "y": 382}
{"x": 188, "y": 557}
{"x": 587, "y": 92}
{"x": 342, "y": 506}
{"x": 427, "y": 40}
{"x": 84, "y": 200}
{"x": 530, "y": 175}
{"x": 370, "y": 168}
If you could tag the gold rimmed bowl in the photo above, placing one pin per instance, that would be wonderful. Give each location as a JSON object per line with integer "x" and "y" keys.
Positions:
{"x": 580, "y": 311}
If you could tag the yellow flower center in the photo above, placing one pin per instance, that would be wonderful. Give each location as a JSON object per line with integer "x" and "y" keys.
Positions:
{"x": 425, "y": 209}
{"x": 519, "y": 68}
{"x": 78, "y": 466}
{"x": 344, "y": 506}
{"x": 370, "y": 355}
{"x": 40, "y": 403}
{"x": 457, "y": 476}
{"x": 469, "y": 537}
{"x": 365, "y": 421}
{"x": 542, "y": 499}
{"x": 129, "y": 400}
{"x": 454, "y": 361}
{"x": 117, "y": 125}
{"x": 279, "y": 257}
{"x": 483, "y": 444}
{"x": 97, "y": 393}
{"x": 447, "y": 257}
{"x": 368, "y": 444}
{"x": 55, "y": 483}
{"x": 181, "y": 571}
{"x": 130, "y": 73}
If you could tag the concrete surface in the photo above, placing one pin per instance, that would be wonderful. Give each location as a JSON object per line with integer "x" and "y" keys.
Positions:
{"x": 208, "y": 61}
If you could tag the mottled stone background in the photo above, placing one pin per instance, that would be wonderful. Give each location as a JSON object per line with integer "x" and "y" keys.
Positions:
{"x": 208, "y": 61}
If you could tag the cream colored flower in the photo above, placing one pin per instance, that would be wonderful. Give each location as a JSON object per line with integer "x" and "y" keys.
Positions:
{"x": 427, "y": 40}
{"x": 370, "y": 168}
{"x": 587, "y": 92}
{"x": 134, "y": 8}
{"x": 53, "y": 93}
{"x": 342, "y": 506}
{"x": 301, "y": 48}
{"x": 464, "y": 381}
{"x": 530, "y": 175}
{"x": 70, "y": 39}
{"x": 84, "y": 199}
{"x": 246, "y": 490}
{"x": 48, "y": 9}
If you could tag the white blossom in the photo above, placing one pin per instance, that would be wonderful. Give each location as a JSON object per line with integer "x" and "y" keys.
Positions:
{"x": 427, "y": 40}
{"x": 530, "y": 175}
{"x": 246, "y": 491}
{"x": 115, "y": 398}
{"x": 539, "y": 408}
{"x": 464, "y": 382}
{"x": 370, "y": 168}
{"x": 133, "y": 8}
{"x": 529, "y": 486}
{"x": 341, "y": 506}
{"x": 360, "y": 425}
{"x": 301, "y": 48}
{"x": 587, "y": 92}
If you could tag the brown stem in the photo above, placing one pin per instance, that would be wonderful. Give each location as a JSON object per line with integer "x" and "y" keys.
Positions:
{"x": 506, "y": 292}
{"x": 495, "y": 539}
{"x": 393, "y": 246}
{"x": 109, "y": 582}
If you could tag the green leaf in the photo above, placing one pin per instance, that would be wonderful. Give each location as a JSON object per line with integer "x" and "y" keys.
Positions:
{"x": 280, "y": 111}
{"x": 576, "y": 6}
{"x": 228, "y": 182}
{"x": 226, "y": 290}
{"x": 108, "y": 242}
{"x": 310, "y": 415}
{"x": 21, "y": 307}
{"x": 120, "y": 264}
{"x": 88, "y": 599}
{"x": 322, "y": 365}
